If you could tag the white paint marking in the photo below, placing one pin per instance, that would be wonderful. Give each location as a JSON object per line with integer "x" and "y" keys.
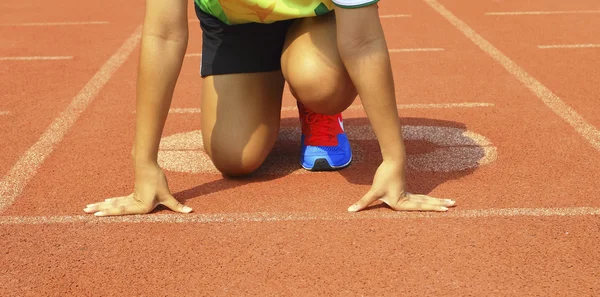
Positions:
{"x": 26, "y": 167}
{"x": 294, "y": 108}
{"x": 302, "y": 216}
{"x": 193, "y": 55}
{"x": 433, "y": 105}
{"x": 589, "y": 132}
{"x": 184, "y": 110}
{"x": 569, "y": 46}
{"x": 415, "y": 106}
{"x": 35, "y": 58}
{"x": 394, "y": 16}
{"x": 56, "y": 24}
{"x": 406, "y": 50}
{"x": 543, "y": 12}
{"x": 4, "y": 113}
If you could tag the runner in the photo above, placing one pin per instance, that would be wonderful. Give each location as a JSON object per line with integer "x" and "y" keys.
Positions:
{"x": 327, "y": 51}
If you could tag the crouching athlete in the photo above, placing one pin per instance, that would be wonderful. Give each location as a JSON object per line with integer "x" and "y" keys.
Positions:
{"x": 328, "y": 51}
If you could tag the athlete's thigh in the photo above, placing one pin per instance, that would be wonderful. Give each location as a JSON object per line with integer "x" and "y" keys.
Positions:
{"x": 241, "y": 91}
{"x": 240, "y": 118}
{"x": 312, "y": 65}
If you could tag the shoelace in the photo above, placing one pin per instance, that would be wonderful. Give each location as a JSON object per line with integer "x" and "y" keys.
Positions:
{"x": 320, "y": 126}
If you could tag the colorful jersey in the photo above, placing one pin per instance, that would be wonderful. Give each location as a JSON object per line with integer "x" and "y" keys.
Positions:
{"x": 268, "y": 11}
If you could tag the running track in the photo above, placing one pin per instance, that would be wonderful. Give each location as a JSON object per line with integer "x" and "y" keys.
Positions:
{"x": 500, "y": 105}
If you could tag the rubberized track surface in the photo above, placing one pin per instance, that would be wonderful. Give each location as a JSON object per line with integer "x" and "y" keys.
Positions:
{"x": 500, "y": 111}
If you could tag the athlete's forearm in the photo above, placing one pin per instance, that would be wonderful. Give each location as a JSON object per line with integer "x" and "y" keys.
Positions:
{"x": 364, "y": 52}
{"x": 159, "y": 67}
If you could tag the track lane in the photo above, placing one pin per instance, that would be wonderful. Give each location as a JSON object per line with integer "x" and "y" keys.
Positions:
{"x": 519, "y": 126}
{"x": 446, "y": 257}
{"x": 569, "y": 73}
{"x": 35, "y": 92}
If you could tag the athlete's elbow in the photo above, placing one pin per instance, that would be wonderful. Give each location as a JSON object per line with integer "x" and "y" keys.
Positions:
{"x": 360, "y": 43}
{"x": 179, "y": 37}
{"x": 167, "y": 31}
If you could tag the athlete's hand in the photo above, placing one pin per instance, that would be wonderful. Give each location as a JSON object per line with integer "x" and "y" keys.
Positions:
{"x": 151, "y": 189}
{"x": 388, "y": 186}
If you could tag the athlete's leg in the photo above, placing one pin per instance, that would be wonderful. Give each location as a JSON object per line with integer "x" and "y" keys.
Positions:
{"x": 241, "y": 92}
{"x": 313, "y": 68}
{"x": 319, "y": 81}
{"x": 240, "y": 119}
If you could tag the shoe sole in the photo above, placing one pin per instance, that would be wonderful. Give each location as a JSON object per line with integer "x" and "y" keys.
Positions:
{"x": 321, "y": 164}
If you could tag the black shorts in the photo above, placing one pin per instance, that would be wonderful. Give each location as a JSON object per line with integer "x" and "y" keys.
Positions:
{"x": 243, "y": 48}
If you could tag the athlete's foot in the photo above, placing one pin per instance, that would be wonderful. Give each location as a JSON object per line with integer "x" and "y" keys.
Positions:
{"x": 325, "y": 145}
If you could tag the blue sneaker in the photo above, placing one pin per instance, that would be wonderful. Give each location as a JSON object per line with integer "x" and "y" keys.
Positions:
{"x": 325, "y": 145}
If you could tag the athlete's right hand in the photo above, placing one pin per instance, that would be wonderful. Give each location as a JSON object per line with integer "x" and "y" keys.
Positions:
{"x": 151, "y": 189}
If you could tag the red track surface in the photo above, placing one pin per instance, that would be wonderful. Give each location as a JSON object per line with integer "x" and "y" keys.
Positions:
{"x": 527, "y": 221}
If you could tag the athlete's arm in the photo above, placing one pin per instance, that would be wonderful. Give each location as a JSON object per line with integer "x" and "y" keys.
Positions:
{"x": 163, "y": 45}
{"x": 364, "y": 52}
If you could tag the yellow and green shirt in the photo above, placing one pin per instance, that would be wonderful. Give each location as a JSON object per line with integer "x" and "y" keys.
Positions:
{"x": 268, "y": 11}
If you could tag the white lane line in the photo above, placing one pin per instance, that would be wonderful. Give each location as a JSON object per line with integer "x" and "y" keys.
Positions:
{"x": 193, "y": 55}
{"x": 184, "y": 110}
{"x": 394, "y": 16}
{"x": 433, "y": 105}
{"x": 26, "y": 167}
{"x": 425, "y": 49}
{"x": 55, "y": 24}
{"x": 4, "y": 113}
{"x": 302, "y": 216}
{"x": 543, "y": 12}
{"x": 569, "y": 46}
{"x": 360, "y": 107}
{"x": 34, "y": 58}
{"x": 551, "y": 100}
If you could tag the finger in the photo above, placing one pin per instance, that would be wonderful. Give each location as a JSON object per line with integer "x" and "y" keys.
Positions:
{"x": 367, "y": 199}
{"x": 431, "y": 200}
{"x": 91, "y": 208}
{"x": 118, "y": 198}
{"x": 409, "y": 205}
{"x": 175, "y": 205}
{"x": 124, "y": 209}
{"x": 100, "y": 206}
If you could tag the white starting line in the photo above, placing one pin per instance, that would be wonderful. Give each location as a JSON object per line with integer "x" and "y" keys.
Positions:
{"x": 555, "y": 46}
{"x": 513, "y": 13}
{"x": 394, "y": 16}
{"x": 56, "y": 24}
{"x": 402, "y": 50}
{"x": 36, "y": 58}
{"x": 301, "y": 216}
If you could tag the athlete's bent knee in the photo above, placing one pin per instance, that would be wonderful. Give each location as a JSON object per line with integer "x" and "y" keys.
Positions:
{"x": 323, "y": 94}
{"x": 236, "y": 159}
{"x": 234, "y": 164}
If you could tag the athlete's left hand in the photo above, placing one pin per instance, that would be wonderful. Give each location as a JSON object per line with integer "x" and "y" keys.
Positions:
{"x": 388, "y": 186}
